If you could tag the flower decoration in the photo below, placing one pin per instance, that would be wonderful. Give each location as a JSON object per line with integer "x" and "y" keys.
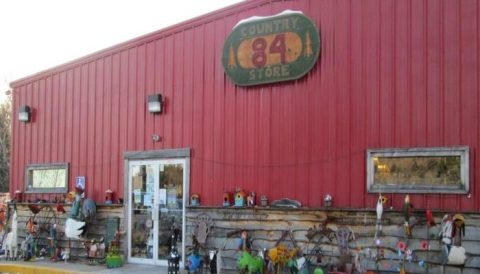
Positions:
{"x": 401, "y": 246}
{"x": 424, "y": 245}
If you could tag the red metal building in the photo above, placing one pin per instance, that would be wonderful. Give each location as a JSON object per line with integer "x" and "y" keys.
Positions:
{"x": 391, "y": 74}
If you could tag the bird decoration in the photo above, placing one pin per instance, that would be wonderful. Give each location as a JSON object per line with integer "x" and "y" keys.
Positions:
{"x": 379, "y": 208}
{"x": 34, "y": 208}
{"x": 60, "y": 208}
{"x": 89, "y": 209}
{"x": 429, "y": 217}
{"x": 74, "y": 228}
{"x": 76, "y": 223}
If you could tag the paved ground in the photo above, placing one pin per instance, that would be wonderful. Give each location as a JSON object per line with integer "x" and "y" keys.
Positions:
{"x": 49, "y": 267}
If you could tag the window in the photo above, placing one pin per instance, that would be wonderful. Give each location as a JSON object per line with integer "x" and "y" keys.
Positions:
{"x": 418, "y": 170}
{"x": 48, "y": 178}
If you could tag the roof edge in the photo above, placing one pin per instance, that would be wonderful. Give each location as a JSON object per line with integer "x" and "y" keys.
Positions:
{"x": 191, "y": 23}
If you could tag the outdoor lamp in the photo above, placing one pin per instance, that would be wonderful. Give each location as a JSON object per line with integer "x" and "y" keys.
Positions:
{"x": 155, "y": 103}
{"x": 24, "y": 114}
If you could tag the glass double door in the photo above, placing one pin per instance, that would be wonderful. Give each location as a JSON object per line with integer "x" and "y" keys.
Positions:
{"x": 156, "y": 209}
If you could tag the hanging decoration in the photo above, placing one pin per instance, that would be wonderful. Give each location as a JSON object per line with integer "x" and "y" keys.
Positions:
{"x": 379, "y": 209}
{"x": 446, "y": 236}
{"x": 407, "y": 213}
{"x": 343, "y": 235}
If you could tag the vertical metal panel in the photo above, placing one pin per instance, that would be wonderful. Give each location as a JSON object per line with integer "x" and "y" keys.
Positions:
{"x": 118, "y": 101}
{"x": 168, "y": 91}
{"x": 469, "y": 88}
{"x": 128, "y": 82}
{"x": 150, "y": 88}
{"x": 197, "y": 164}
{"x": 358, "y": 122}
{"x": 390, "y": 74}
{"x": 100, "y": 185}
{"x": 159, "y": 82}
{"x": 107, "y": 125}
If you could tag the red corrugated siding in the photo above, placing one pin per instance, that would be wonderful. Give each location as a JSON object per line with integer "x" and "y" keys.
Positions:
{"x": 390, "y": 74}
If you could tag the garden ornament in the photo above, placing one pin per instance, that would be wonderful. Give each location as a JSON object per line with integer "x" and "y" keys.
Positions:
{"x": 10, "y": 244}
{"x": 344, "y": 235}
{"x": 195, "y": 200}
{"x": 251, "y": 264}
{"x": 194, "y": 262}
{"x": 2, "y": 216}
{"x": 27, "y": 247}
{"x": 446, "y": 236}
{"x": 285, "y": 202}
{"x": 80, "y": 215}
{"x": 379, "y": 209}
{"x": 407, "y": 212}
{"x": 458, "y": 229}
{"x": 65, "y": 254}
{"x": 240, "y": 197}
{"x": 429, "y": 217}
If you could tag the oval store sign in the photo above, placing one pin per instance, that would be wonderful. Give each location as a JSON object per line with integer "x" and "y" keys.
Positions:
{"x": 271, "y": 49}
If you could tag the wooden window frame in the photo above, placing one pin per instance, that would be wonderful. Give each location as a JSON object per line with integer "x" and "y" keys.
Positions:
{"x": 32, "y": 167}
{"x": 462, "y": 152}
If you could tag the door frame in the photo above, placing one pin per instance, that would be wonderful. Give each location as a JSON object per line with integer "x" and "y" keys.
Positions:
{"x": 152, "y": 156}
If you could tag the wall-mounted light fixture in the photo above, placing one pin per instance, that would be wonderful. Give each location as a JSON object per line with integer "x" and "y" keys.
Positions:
{"x": 155, "y": 103}
{"x": 24, "y": 114}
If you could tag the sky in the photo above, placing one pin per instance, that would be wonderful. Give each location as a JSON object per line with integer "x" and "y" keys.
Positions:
{"x": 37, "y": 35}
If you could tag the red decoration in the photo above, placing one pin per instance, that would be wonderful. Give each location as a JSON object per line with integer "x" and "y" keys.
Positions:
{"x": 401, "y": 245}
{"x": 424, "y": 245}
{"x": 430, "y": 219}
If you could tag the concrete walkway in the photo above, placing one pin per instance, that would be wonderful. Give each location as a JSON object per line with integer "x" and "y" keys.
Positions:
{"x": 48, "y": 267}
